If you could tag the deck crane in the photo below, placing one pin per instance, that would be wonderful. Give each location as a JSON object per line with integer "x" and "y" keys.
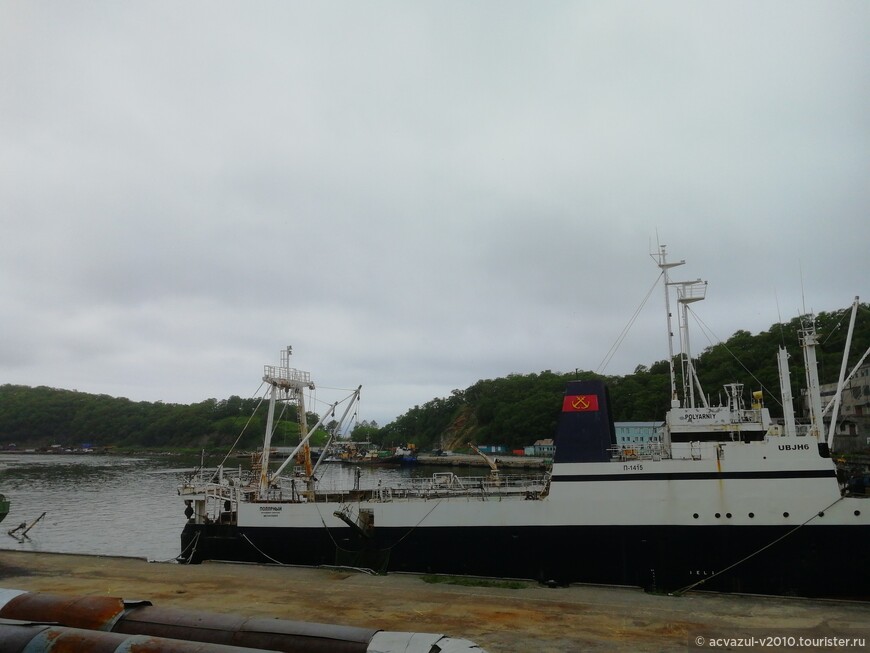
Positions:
{"x": 493, "y": 463}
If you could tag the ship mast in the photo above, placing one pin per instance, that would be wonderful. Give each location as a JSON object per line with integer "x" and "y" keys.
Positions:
{"x": 785, "y": 391}
{"x": 809, "y": 339}
{"x": 662, "y": 261}
{"x": 354, "y": 398}
{"x": 688, "y": 292}
{"x": 841, "y": 380}
{"x": 292, "y": 383}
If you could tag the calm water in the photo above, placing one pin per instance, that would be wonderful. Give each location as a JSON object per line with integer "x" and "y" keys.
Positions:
{"x": 115, "y": 505}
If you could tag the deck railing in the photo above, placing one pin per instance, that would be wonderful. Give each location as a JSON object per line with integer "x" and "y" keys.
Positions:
{"x": 286, "y": 375}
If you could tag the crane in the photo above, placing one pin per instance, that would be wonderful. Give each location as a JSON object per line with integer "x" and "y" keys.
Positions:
{"x": 493, "y": 464}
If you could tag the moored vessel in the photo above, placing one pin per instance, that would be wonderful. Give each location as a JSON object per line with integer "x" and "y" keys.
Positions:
{"x": 728, "y": 500}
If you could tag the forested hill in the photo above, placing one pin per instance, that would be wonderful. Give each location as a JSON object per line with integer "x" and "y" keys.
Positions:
{"x": 519, "y": 409}
{"x": 515, "y": 410}
{"x": 41, "y": 417}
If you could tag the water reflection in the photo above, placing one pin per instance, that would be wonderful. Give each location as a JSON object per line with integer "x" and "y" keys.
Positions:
{"x": 127, "y": 506}
{"x": 107, "y": 505}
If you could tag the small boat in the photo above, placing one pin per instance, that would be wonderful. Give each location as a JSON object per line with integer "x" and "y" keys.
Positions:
{"x": 728, "y": 500}
{"x": 376, "y": 457}
{"x": 395, "y": 456}
{"x": 406, "y": 455}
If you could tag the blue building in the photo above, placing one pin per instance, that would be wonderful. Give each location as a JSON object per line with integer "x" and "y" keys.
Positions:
{"x": 493, "y": 448}
{"x": 638, "y": 434}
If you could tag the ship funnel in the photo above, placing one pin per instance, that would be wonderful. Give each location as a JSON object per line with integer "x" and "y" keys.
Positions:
{"x": 585, "y": 433}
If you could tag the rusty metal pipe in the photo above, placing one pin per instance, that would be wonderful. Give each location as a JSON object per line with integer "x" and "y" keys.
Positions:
{"x": 26, "y": 637}
{"x": 87, "y": 612}
{"x": 273, "y": 634}
{"x": 140, "y": 618}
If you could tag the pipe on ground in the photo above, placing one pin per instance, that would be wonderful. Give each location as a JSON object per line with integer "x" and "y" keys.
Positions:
{"x": 26, "y": 637}
{"x": 141, "y": 618}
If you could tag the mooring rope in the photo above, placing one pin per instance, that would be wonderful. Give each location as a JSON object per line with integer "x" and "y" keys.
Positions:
{"x": 282, "y": 564}
{"x": 261, "y": 552}
{"x": 193, "y": 544}
{"x": 688, "y": 588}
{"x": 334, "y": 543}
{"x": 389, "y": 548}
{"x": 414, "y": 527}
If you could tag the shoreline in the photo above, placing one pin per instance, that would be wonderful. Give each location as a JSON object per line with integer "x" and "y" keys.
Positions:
{"x": 452, "y": 460}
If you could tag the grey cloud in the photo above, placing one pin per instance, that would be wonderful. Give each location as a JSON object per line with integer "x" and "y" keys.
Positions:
{"x": 414, "y": 196}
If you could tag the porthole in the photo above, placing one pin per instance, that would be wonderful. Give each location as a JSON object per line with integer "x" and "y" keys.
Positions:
{"x": 728, "y": 515}
{"x": 821, "y": 514}
{"x": 751, "y": 515}
{"x": 857, "y": 512}
{"x": 718, "y": 515}
{"x": 696, "y": 514}
{"x": 785, "y": 514}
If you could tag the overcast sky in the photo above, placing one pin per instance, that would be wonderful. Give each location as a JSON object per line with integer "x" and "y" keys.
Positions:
{"x": 415, "y": 195}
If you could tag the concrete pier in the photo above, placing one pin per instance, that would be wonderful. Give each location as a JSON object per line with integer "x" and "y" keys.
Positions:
{"x": 505, "y": 462}
{"x": 501, "y": 620}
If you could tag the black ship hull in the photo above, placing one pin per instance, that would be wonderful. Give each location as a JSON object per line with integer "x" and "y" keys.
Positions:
{"x": 759, "y": 559}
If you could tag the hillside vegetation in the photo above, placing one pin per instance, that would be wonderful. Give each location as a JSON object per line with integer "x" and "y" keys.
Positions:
{"x": 519, "y": 409}
{"x": 514, "y": 410}
{"x": 41, "y": 417}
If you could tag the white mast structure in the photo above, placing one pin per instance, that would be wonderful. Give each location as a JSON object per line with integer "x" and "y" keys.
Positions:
{"x": 354, "y": 398}
{"x": 688, "y": 292}
{"x": 785, "y": 391}
{"x": 841, "y": 379}
{"x": 661, "y": 259}
{"x": 809, "y": 339}
{"x": 292, "y": 383}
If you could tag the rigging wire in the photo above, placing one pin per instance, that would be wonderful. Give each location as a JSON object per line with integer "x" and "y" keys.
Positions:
{"x": 836, "y": 326}
{"x": 712, "y": 338}
{"x": 325, "y": 387}
{"x": 245, "y": 427}
{"x": 619, "y": 340}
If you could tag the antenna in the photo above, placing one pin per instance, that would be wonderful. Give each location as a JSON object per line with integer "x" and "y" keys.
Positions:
{"x": 803, "y": 297}
{"x": 779, "y": 316}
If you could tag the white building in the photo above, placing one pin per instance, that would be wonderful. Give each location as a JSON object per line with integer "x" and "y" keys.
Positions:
{"x": 853, "y": 419}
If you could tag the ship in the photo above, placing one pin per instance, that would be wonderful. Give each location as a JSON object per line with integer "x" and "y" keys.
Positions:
{"x": 729, "y": 499}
